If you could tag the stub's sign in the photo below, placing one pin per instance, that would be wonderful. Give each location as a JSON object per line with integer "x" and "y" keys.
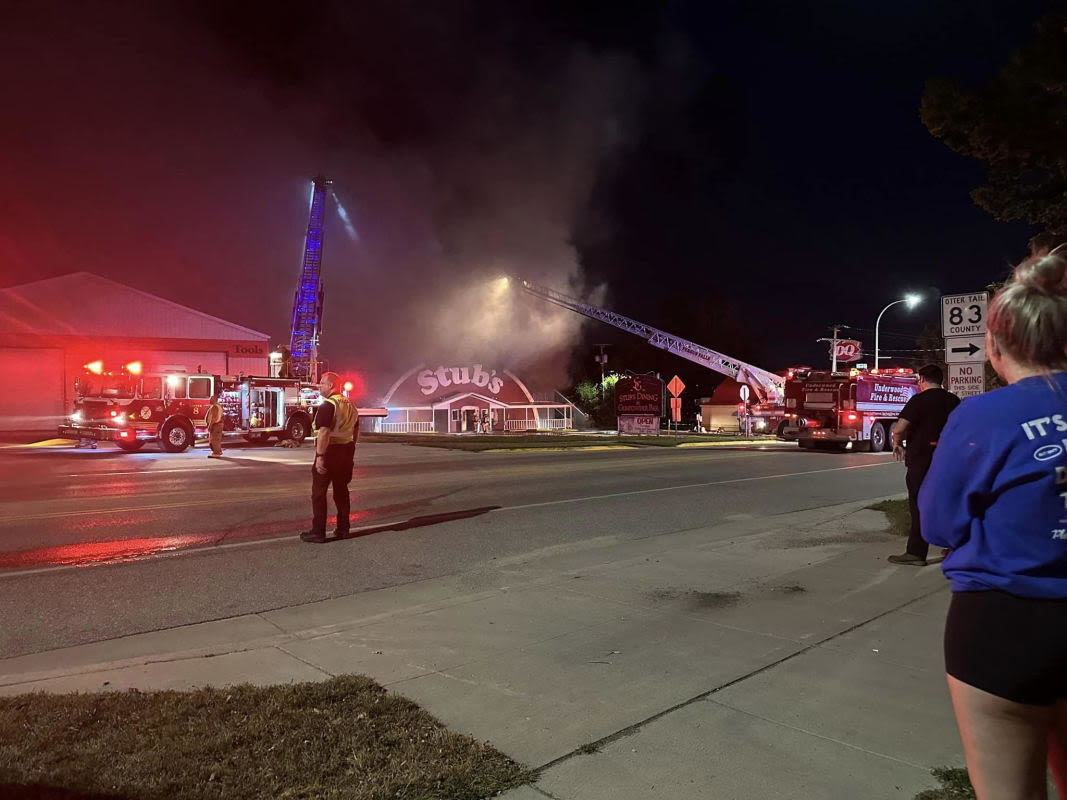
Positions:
{"x": 639, "y": 394}
{"x": 966, "y": 380}
{"x": 639, "y": 424}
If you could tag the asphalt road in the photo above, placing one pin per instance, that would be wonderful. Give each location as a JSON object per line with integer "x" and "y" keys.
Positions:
{"x": 99, "y": 544}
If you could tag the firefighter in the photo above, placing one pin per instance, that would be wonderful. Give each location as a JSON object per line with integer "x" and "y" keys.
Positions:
{"x": 335, "y": 450}
{"x": 214, "y": 427}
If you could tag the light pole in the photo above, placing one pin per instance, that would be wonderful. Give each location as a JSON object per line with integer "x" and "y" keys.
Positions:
{"x": 911, "y": 300}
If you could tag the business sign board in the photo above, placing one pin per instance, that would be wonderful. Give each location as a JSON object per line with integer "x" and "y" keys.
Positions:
{"x": 639, "y": 424}
{"x": 846, "y": 350}
{"x": 966, "y": 380}
{"x": 965, "y": 350}
{"x": 963, "y": 314}
{"x": 639, "y": 394}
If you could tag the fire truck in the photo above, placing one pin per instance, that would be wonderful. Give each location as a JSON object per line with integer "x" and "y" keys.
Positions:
{"x": 129, "y": 407}
{"x": 856, "y": 409}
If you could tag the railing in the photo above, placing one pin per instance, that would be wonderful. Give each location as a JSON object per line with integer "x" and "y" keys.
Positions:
{"x": 553, "y": 424}
{"x": 534, "y": 424}
{"x": 407, "y": 427}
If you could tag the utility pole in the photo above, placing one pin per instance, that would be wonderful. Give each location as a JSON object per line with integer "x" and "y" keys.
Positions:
{"x": 602, "y": 360}
{"x": 833, "y": 347}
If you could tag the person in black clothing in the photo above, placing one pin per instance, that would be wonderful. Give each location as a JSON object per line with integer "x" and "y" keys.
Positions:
{"x": 920, "y": 424}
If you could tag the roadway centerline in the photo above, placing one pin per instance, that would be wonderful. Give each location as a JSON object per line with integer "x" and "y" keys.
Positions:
{"x": 689, "y": 486}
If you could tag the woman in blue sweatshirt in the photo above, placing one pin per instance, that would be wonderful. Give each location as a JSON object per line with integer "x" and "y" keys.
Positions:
{"x": 996, "y": 496}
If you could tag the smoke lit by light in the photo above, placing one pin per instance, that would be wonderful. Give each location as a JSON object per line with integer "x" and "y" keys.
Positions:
{"x": 349, "y": 227}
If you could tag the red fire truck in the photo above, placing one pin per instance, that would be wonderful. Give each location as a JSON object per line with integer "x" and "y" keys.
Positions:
{"x": 129, "y": 407}
{"x": 842, "y": 409}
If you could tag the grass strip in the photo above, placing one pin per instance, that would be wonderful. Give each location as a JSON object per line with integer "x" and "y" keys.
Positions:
{"x": 955, "y": 785}
{"x": 341, "y": 738}
{"x": 898, "y": 514}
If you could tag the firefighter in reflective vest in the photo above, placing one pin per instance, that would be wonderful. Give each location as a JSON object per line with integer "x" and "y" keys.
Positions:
{"x": 335, "y": 451}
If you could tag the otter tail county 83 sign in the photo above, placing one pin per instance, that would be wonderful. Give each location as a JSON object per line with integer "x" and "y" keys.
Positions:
{"x": 963, "y": 324}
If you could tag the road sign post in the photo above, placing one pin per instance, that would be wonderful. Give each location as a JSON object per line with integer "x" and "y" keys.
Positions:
{"x": 966, "y": 380}
{"x": 675, "y": 387}
{"x": 963, "y": 324}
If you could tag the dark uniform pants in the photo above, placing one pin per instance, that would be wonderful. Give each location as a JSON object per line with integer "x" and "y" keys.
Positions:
{"x": 338, "y": 462}
{"x": 917, "y": 470}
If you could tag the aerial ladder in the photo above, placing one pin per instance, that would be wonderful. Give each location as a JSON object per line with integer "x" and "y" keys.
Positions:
{"x": 768, "y": 387}
{"x": 307, "y": 305}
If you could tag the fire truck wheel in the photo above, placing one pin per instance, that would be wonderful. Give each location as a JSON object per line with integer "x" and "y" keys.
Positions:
{"x": 130, "y": 447}
{"x": 878, "y": 437}
{"x": 297, "y": 428}
{"x": 176, "y": 436}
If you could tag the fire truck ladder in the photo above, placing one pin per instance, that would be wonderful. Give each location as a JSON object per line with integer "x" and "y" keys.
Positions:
{"x": 769, "y": 388}
{"x": 307, "y": 305}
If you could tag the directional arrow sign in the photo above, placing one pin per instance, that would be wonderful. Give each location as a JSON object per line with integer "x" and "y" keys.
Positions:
{"x": 964, "y": 349}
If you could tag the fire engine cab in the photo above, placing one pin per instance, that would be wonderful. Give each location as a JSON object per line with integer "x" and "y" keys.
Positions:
{"x": 843, "y": 409}
{"x": 131, "y": 407}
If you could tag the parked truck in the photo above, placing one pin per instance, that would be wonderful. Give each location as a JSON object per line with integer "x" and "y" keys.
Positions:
{"x": 855, "y": 409}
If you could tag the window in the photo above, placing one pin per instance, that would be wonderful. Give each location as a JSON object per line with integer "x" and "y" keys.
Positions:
{"x": 199, "y": 388}
{"x": 176, "y": 384}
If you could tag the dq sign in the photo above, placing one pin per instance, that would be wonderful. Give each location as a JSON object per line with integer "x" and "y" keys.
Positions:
{"x": 847, "y": 350}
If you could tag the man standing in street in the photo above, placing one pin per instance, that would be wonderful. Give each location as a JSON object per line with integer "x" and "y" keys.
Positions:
{"x": 335, "y": 451}
{"x": 919, "y": 426}
{"x": 214, "y": 427}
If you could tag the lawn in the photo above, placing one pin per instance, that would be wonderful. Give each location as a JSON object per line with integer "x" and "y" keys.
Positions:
{"x": 342, "y": 738}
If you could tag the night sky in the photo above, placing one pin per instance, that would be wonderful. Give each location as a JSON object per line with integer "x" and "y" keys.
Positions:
{"x": 742, "y": 174}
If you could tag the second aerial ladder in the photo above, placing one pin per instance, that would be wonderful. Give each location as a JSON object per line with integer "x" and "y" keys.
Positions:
{"x": 768, "y": 387}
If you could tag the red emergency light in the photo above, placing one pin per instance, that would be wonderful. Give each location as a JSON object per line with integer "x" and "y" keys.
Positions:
{"x": 134, "y": 367}
{"x": 95, "y": 367}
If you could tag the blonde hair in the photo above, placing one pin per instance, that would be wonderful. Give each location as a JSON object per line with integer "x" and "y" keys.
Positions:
{"x": 1028, "y": 317}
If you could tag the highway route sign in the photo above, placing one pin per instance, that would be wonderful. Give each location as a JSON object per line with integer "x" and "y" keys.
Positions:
{"x": 963, "y": 314}
{"x": 965, "y": 349}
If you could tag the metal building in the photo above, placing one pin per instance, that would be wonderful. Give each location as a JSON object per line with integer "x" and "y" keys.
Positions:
{"x": 50, "y": 329}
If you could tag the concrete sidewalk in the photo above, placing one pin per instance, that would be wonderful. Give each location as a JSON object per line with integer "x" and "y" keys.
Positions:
{"x": 776, "y": 657}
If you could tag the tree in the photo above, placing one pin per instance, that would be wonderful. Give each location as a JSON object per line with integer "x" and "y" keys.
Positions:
{"x": 1015, "y": 126}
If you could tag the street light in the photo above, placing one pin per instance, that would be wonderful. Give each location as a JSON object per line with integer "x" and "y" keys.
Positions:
{"x": 911, "y": 300}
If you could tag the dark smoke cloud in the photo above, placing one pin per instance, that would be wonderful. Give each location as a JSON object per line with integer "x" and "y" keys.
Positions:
{"x": 171, "y": 147}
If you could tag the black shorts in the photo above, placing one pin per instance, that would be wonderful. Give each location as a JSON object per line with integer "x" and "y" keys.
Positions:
{"x": 1012, "y": 647}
